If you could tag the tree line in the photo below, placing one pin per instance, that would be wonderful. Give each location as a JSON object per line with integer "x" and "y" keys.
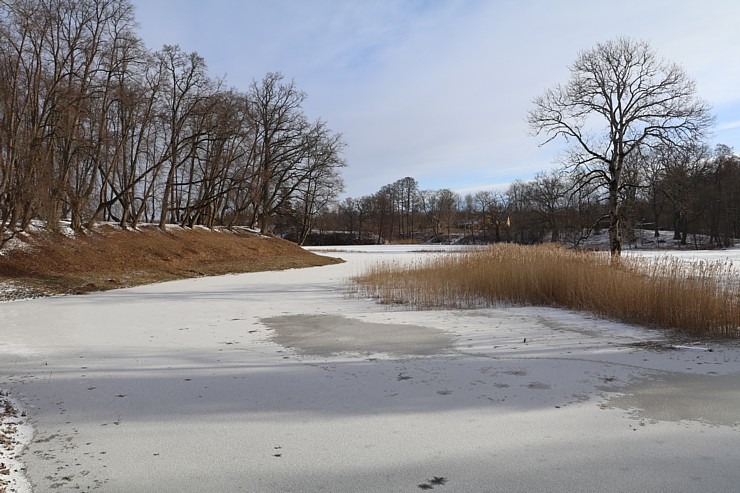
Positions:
{"x": 94, "y": 126}
{"x": 637, "y": 158}
{"x": 694, "y": 193}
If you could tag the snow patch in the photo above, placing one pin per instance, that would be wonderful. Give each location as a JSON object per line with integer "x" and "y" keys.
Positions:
{"x": 15, "y": 434}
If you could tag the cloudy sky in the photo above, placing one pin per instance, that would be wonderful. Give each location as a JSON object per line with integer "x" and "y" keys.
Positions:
{"x": 439, "y": 89}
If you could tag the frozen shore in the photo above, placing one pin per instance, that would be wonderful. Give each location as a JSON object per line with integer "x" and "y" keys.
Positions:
{"x": 278, "y": 381}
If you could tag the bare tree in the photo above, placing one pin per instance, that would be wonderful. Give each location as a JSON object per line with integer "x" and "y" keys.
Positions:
{"x": 109, "y": 49}
{"x": 364, "y": 208}
{"x": 318, "y": 181}
{"x": 187, "y": 87}
{"x": 131, "y": 116}
{"x": 280, "y": 131}
{"x": 23, "y": 26}
{"x": 58, "y": 65}
{"x": 440, "y": 207}
{"x": 620, "y": 97}
{"x": 407, "y": 190}
{"x": 494, "y": 210}
{"x": 723, "y": 206}
{"x": 548, "y": 195}
{"x": 683, "y": 171}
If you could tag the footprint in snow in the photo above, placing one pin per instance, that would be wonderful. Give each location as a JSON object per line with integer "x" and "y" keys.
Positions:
{"x": 431, "y": 483}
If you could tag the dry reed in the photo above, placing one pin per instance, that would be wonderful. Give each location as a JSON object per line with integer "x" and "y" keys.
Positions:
{"x": 696, "y": 298}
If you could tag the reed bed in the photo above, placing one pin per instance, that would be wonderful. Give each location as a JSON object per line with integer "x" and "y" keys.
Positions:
{"x": 695, "y": 298}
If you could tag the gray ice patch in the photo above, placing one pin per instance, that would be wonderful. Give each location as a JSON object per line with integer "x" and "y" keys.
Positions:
{"x": 324, "y": 335}
{"x": 710, "y": 399}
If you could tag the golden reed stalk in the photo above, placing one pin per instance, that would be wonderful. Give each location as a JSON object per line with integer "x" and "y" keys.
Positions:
{"x": 696, "y": 298}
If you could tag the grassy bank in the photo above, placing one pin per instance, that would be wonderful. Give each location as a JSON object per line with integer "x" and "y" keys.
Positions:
{"x": 46, "y": 263}
{"x": 695, "y": 298}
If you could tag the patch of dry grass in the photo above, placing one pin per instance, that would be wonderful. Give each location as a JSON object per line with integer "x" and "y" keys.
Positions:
{"x": 52, "y": 263}
{"x": 696, "y": 298}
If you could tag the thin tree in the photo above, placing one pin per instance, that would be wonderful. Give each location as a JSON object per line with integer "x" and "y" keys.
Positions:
{"x": 620, "y": 96}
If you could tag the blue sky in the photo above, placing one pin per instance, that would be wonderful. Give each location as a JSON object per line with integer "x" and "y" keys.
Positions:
{"x": 439, "y": 90}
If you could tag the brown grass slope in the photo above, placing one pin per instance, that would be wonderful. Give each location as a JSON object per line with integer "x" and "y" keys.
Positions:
{"x": 52, "y": 263}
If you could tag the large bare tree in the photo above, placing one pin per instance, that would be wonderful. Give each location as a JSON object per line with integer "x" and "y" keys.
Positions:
{"x": 281, "y": 127}
{"x": 620, "y": 96}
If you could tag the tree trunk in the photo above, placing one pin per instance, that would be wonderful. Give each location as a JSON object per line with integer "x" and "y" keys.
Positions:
{"x": 656, "y": 216}
{"x": 677, "y": 224}
{"x": 615, "y": 230}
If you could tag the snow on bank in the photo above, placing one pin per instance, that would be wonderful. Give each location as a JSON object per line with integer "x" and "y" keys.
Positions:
{"x": 11, "y": 291}
{"x": 15, "y": 434}
{"x": 389, "y": 249}
{"x": 721, "y": 254}
{"x": 731, "y": 255}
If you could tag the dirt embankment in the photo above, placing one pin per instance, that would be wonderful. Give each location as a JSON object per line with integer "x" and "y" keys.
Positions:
{"x": 46, "y": 263}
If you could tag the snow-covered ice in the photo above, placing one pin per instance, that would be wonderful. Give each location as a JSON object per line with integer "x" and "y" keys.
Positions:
{"x": 280, "y": 381}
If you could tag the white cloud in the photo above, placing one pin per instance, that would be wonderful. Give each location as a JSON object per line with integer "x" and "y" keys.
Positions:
{"x": 728, "y": 126}
{"x": 440, "y": 90}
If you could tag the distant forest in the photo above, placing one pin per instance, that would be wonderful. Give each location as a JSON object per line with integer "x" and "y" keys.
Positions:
{"x": 695, "y": 193}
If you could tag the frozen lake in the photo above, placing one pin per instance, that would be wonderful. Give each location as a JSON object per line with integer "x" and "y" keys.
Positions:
{"x": 279, "y": 382}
